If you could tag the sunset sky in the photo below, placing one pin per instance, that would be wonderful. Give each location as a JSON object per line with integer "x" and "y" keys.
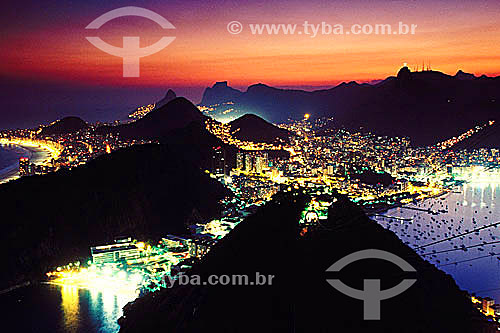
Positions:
{"x": 44, "y": 42}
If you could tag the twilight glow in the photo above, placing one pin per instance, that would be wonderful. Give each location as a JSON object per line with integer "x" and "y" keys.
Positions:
{"x": 49, "y": 43}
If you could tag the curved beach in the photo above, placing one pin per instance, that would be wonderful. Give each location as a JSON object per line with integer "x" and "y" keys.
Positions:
{"x": 9, "y": 169}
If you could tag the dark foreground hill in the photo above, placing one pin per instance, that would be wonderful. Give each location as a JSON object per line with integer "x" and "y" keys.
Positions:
{"x": 299, "y": 298}
{"x": 143, "y": 191}
{"x": 64, "y": 126}
{"x": 178, "y": 113}
{"x": 253, "y": 128}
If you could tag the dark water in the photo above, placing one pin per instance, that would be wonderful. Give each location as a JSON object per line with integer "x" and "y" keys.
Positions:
{"x": 29, "y": 104}
{"x": 9, "y": 155}
{"x": 9, "y": 159}
{"x": 54, "y": 309}
{"x": 476, "y": 270}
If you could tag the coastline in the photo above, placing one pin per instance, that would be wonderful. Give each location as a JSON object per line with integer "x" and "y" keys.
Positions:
{"x": 388, "y": 207}
{"x": 36, "y": 154}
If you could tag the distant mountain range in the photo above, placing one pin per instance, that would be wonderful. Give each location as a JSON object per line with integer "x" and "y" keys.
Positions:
{"x": 427, "y": 106}
{"x": 181, "y": 125}
{"x": 179, "y": 113}
{"x": 64, "y": 126}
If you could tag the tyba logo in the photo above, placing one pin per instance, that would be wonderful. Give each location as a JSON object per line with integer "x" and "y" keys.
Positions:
{"x": 131, "y": 52}
{"x": 371, "y": 293}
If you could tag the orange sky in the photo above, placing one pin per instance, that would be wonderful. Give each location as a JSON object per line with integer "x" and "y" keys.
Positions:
{"x": 451, "y": 35}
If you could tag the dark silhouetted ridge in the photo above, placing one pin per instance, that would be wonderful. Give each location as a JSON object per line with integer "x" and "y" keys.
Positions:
{"x": 177, "y": 113}
{"x": 64, "y": 126}
{"x": 250, "y": 127}
{"x": 219, "y": 93}
{"x": 168, "y": 97}
{"x": 143, "y": 191}
{"x": 464, "y": 76}
{"x": 427, "y": 106}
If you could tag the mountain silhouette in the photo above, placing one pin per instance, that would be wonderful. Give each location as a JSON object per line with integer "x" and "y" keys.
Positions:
{"x": 250, "y": 127}
{"x": 168, "y": 97}
{"x": 64, "y": 126}
{"x": 464, "y": 76}
{"x": 178, "y": 113}
{"x": 427, "y": 106}
{"x": 219, "y": 93}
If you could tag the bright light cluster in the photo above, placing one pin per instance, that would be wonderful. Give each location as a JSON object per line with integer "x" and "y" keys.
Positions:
{"x": 142, "y": 111}
{"x": 223, "y": 132}
{"x": 453, "y": 141}
{"x": 53, "y": 148}
{"x": 106, "y": 278}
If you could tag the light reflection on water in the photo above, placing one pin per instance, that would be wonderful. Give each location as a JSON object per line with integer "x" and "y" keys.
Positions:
{"x": 107, "y": 308}
{"x": 477, "y": 205}
{"x": 70, "y": 305}
{"x": 57, "y": 309}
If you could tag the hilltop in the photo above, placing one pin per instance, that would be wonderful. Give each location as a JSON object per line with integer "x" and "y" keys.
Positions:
{"x": 64, "y": 126}
{"x": 177, "y": 113}
{"x": 300, "y": 299}
{"x": 250, "y": 127}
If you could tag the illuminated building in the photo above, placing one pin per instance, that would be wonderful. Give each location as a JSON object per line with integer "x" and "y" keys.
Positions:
{"x": 219, "y": 161}
{"x": 487, "y": 306}
{"x": 199, "y": 247}
{"x": 260, "y": 162}
{"x": 173, "y": 241}
{"x": 275, "y": 173}
{"x": 122, "y": 250}
{"x": 240, "y": 161}
{"x": 248, "y": 163}
{"x": 329, "y": 169}
{"x": 254, "y": 161}
{"x": 24, "y": 167}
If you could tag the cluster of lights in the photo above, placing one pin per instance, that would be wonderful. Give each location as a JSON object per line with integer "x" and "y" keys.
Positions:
{"x": 223, "y": 132}
{"x": 213, "y": 108}
{"x": 453, "y": 141}
{"x": 146, "y": 273}
{"x": 106, "y": 278}
{"x": 142, "y": 111}
{"x": 53, "y": 148}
